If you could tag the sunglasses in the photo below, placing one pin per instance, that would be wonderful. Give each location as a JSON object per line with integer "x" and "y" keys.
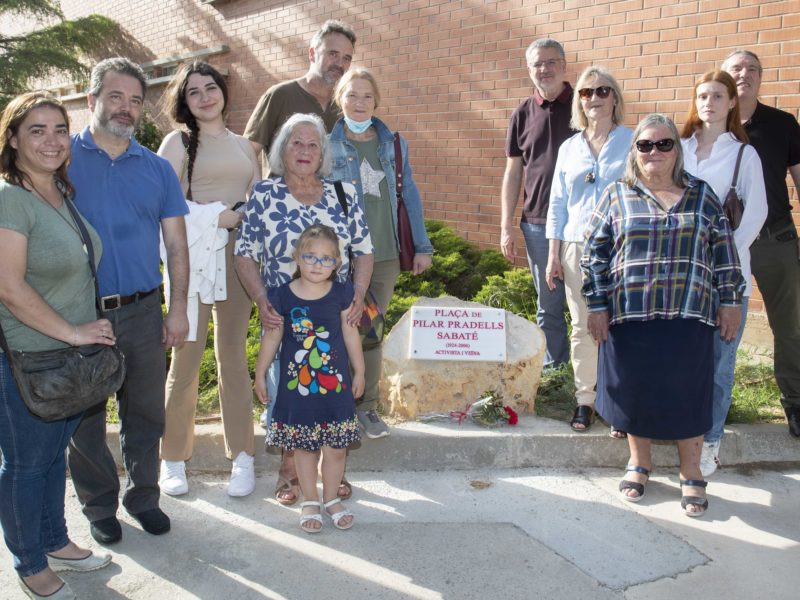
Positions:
{"x": 326, "y": 261}
{"x": 646, "y": 146}
{"x": 601, "y": 92}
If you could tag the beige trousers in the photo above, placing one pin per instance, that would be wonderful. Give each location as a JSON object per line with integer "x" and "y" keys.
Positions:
{"x": 583, "y": 346}
{"x": 231, "y": 319}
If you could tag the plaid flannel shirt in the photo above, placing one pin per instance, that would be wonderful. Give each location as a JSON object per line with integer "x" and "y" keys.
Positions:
{"x": 641, "y": 262}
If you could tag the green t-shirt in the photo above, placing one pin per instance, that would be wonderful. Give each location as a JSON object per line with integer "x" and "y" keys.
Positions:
{"x": 377, "y": 207}
{"x": 57, "y": 265}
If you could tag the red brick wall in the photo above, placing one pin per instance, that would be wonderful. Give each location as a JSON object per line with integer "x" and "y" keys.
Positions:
{"x": 451, "y": 72}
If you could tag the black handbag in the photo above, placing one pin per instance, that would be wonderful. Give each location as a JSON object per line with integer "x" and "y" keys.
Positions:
{"x": 58, "y": 384}
{"x": 404, "y": 236}
{"x": 733, "y": 205}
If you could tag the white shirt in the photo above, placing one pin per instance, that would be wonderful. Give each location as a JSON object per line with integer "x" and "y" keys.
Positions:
{"x": 207, "y": 270}
{"x": 717, "y": 171}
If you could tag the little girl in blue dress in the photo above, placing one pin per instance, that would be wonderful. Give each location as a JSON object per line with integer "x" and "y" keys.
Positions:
{"x": 315, "y": 409}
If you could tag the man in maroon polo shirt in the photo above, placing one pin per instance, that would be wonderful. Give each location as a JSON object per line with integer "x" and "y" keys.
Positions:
{"x": 538, "y": 127}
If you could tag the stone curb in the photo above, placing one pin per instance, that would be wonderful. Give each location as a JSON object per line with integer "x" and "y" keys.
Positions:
{"x": 534, "y": 442}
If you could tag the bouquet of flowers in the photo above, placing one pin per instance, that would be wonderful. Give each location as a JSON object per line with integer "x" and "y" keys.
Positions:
{"x": 490, "y": 412}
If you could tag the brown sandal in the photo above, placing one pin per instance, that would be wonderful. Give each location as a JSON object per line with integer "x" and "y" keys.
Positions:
{"x": 346, "y": 488}
{"x": 285, "y": 487}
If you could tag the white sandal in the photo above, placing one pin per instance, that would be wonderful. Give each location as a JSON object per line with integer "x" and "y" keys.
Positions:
{"x": 305, "y": 519}
{"x": 338, "y": 516}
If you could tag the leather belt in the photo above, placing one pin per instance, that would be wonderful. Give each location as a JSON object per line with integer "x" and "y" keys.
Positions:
{"x": 116, "y": 301}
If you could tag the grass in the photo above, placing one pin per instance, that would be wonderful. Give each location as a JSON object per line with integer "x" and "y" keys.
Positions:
{"x": 756, "y": 397}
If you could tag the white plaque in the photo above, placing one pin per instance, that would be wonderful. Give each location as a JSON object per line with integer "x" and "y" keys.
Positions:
{"x": 451, "y": 333}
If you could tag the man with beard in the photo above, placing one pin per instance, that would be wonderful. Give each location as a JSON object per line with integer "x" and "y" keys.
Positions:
{"x": 329, "y": 55}
{"x": 128, "y": 194}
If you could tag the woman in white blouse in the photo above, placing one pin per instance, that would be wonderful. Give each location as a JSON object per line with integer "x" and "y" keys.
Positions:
{"x": 711, "y": 139}
{"x": 587, "y": 162}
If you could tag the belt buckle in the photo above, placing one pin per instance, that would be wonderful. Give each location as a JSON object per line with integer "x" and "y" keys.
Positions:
{"x": 112, "y": 302}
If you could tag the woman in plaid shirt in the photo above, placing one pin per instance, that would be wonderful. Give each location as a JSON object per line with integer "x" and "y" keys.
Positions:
{"x": 658, "y": 250}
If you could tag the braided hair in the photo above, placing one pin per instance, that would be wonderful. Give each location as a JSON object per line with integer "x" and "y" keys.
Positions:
{"x": 175, "y": 105}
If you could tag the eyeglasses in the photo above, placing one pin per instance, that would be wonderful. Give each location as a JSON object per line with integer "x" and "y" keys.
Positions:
{"x": 601, "y": 92}
{"x": 326, "y": 261}
{"x": 646, "y": 146}
{"x": 550, "y": 64}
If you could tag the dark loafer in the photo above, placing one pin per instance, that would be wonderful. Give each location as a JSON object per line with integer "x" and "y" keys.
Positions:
{"x": 584, "y": 415}
{"x": 153, "y": 521}
{"x": 793, "y": 418}
{"x": 106, "y": 531}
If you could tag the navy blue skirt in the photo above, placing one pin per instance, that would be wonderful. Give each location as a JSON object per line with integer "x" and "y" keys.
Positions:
{"x": 655, "y": 378}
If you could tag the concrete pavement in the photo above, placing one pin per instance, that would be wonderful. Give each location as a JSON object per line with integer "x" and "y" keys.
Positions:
{"x": 457, "y": 513}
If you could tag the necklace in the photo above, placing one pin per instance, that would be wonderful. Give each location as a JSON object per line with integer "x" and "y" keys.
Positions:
{"x": 70, "y": 222}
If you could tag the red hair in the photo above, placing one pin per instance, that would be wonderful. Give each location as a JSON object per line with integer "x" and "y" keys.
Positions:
{"x": 734, "y": 122}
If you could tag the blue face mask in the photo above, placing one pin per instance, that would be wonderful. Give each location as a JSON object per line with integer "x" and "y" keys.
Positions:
{"x": 358, "y": 126}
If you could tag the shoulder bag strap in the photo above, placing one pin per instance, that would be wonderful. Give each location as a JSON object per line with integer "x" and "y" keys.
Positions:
{"x": 736, "y": 169}
{"x": 337, "y": 185}
{"x": 398, "y": 166}
{"x": 87, "y": 240}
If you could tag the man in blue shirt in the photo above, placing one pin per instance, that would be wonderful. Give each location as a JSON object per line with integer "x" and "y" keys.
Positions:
{"x": 129, "y": 195}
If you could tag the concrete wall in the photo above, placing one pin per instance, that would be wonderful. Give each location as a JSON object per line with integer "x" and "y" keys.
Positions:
{"x": 451, "y": 72}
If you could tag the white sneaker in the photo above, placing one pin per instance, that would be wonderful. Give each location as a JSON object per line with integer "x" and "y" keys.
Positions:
{"x": 243, "y": 476}
{"x": 709, "y": 458}
{"x": 173, "y": 477}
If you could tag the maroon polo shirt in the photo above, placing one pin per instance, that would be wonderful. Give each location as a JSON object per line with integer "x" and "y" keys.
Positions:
{"x": 538, "y": 128}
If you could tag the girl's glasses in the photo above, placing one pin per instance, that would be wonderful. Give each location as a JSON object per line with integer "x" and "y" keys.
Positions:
{"x": 601, "y": 92}
{"x": 646, "y": 146}
{"x": 327, "y": 262}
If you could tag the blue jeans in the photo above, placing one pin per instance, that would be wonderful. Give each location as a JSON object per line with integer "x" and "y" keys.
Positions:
{"x": 32, "y": 479}
{"x": 550, "y": 311}
{"x": 724, "y": 365}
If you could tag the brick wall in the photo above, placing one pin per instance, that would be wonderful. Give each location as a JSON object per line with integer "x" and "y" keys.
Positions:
{"x": 451, "y": 72}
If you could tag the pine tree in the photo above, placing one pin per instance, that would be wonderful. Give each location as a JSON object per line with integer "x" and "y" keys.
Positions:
{"x": 57, "y": 47}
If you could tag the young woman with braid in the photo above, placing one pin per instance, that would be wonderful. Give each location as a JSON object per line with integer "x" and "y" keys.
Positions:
{"x": 217, "y": 169}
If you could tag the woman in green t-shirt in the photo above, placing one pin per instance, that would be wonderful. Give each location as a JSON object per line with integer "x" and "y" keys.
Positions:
{"x": 47, "y": 301}
{"x": 363, "y": 152}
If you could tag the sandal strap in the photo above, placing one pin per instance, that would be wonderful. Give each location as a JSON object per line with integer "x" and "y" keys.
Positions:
{"x": 310, "y": 503}
{"x": 631, "y": 485}
{"x": 696, "y": 500}
{"x": 637, "y": 469}
{"x": 332, "y": 502}
{"x": 694, "y": 483}
{"x": 315, "y": 517}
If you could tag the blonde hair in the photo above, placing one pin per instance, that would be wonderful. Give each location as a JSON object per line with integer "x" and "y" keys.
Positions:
{"x": 356, "y": 73}
{"x": 314, "y": 233}
{"x": 579, "y": 122}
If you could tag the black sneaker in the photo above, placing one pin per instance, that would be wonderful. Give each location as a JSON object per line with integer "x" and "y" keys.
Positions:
{"x": 153, "y": 521}
{"x": 106, "y": 531}
{"x": 373, "y": 425}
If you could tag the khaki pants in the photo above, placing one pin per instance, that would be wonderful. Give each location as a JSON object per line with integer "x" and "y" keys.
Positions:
{"x": 583, "y": 346}
{"x": 231, "y": 319}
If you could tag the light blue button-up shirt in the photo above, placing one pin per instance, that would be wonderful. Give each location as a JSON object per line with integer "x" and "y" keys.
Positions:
{"x": 573, "y": 197}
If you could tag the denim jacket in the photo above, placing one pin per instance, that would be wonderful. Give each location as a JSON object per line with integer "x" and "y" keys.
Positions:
{"x": 347, "y": 168}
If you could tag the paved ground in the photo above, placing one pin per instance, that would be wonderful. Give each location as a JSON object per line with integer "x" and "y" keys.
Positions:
{"x": 529, "y": 533}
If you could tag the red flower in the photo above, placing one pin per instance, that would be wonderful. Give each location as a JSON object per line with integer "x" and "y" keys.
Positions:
{"x": 513, "y": 419}
{"x": 324, "y": 426}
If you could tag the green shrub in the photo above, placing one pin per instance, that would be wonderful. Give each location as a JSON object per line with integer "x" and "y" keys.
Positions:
{"x": 512, "y": 291}
{"x": 459, "y": 268}
{"x": 148, "y": 133}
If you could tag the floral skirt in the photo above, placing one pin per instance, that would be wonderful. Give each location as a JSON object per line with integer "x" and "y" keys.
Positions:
{"x": 334, "y": 434}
